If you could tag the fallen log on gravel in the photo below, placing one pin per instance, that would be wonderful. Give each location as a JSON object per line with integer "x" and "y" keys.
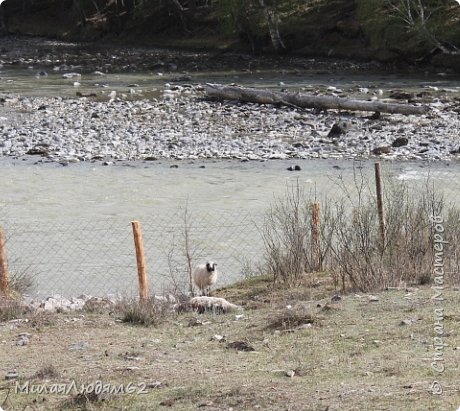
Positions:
{"x": 252, "y": 95}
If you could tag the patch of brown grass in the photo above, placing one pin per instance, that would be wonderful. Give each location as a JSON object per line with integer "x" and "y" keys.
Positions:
{"x": 40, "y": 319}
{"x": 87, "y": 401}
{"x": 148, "y": 312}
{"x": 290, "y": 318}
{"x": 48, "y": 371}
{"x": 11, "y": 308}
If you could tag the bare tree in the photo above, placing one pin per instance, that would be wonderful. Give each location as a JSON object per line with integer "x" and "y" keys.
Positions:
{"x": 181, "y": 13}
{"x": 272, "y": 18}
{"x": 416, "y": 15}
{"x": 287, "y": 237}
{"x": 188, "y": 250}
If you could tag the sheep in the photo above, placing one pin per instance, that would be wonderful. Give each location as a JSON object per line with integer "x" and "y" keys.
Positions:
{"x": 204, "y": 276}
{"x": 214, "y": 304}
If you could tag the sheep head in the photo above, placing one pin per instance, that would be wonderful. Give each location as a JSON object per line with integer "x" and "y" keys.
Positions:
{"x": 210, "y": 266}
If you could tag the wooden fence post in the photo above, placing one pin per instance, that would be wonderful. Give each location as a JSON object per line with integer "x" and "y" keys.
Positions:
{"x": 315, "y": 236}
{"x": 378, "y": 187}
{"x": 140, "y": 257}
{"x": 4, "y": 277}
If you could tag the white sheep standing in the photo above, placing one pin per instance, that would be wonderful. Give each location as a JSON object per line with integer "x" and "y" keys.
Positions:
{"x": 205, "y": 276}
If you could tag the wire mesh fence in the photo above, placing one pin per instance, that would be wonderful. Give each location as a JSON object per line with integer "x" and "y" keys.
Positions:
{"x": 96, "y": 256}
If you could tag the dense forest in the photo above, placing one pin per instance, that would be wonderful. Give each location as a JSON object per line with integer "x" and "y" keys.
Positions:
{"x": 415, "y": 31}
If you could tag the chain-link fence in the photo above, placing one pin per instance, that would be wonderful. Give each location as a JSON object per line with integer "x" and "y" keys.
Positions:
{"x": 97, "y": 256}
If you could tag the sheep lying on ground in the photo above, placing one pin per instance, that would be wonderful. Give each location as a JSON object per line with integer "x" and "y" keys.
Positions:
{"x": 203, "y": 304}
{"x": 204, "y": 276}
{"x": 214, "y": 304}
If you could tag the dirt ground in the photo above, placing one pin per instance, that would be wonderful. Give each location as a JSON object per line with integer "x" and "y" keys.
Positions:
{"x": 297, "y": 349}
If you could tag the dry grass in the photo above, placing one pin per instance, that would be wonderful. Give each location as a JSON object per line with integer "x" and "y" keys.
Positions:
{"x": 362, "y": 261}
{"x": 293, "y": 317}
{"x": 10, "y": 308}
{"x": 21, "y": 282}
{"x": 47, "y": 372}
{"x": 286, "y": 234}
{"x": 148, "y": 312}
{"x": 356, "y": 357}
{"x": 351, "y": 245}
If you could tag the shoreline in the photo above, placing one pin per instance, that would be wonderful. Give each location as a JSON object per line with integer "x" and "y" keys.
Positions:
{"x": 183, "y": 126}
{"x": 167, "y": 118}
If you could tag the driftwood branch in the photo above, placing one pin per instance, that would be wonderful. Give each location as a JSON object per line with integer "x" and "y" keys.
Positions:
{"x": 252, "y": 95}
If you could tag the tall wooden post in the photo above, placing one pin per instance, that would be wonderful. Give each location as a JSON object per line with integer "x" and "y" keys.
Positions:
{"x": 4, "y": 276}
{"x": 378, "y": 187}
{"x": 315, "y": 236}
{"x": 140, "y": 257}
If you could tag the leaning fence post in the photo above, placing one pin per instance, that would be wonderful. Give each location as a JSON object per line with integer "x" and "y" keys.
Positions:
{"x": 4, "y": 279}
{"x": 315, "y": 236}
{"x": 378, "y": 187}
{"x": 140, "y": 257}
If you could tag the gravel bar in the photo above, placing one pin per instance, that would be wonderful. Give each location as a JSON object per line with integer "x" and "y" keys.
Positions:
{"x": 181, "y": 125}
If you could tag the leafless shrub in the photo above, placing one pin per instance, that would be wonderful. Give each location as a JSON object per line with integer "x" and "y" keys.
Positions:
{"x": 249, "y": 269}
{"x": 10, "y": 308}
{"x": 244, "y": 345}
{"x": 360, "y": 260}
{"x": 177, "y": 278}
{"x": 422, "y": 20}
{"x": 98, "y": 305}
{"x": 21, "y": 282}
{"x": 148, "y": 312}
{"x": 47, "y": 372}
{"x": 286, "y": 237}
{"x": 292, "y": 317}
{"x": 41, "y": 319}
{"x": 452, "y": 236}
{"x": 87, "y": 401}
{"x": 188, "y": 250}
{"x": 351, "y": 245}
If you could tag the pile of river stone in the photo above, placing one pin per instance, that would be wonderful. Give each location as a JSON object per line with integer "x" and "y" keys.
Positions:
{"x": 59, "y": 303}
{"x": 181, "y": 125}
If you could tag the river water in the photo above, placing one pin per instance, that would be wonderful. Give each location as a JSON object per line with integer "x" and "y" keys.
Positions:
{"x": 27, "y": 81}
{"x": 69, "y": 227}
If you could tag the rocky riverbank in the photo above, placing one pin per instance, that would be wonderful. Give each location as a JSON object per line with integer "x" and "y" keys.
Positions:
{"x": 181, "y": 125}
{"x": 59, "y": 303}
{"x": 174, "y": 121}
{"x": 87, "y": 57}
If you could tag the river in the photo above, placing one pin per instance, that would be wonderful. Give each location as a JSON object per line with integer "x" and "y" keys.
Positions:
{"x": 69, "y": 227}
{"x": 27, "y": 81}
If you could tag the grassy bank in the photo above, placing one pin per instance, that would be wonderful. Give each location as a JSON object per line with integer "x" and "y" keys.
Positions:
{"x": 361, "y": 352}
